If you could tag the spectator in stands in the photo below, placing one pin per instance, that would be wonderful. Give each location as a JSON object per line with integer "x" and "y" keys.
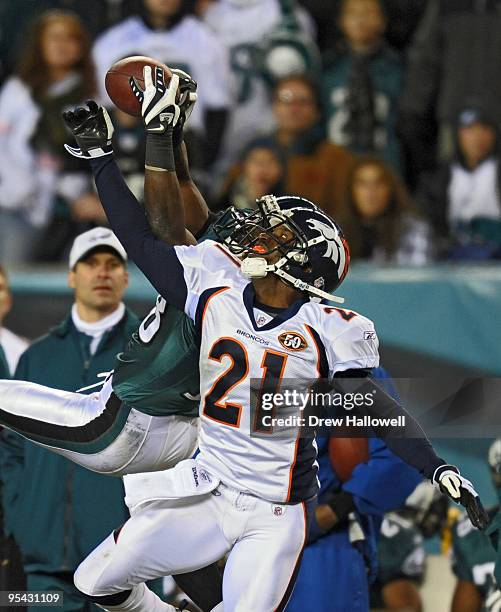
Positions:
{"x": 379, "y": 220}
{"x": 247, "y": 29}
{"x": 315, "y": 168}
{"x": 96, "y": 16}
{"x": 361, "y": 85}
{"x": 165, "y": 31}
{"x": 11, "y": 344}
{"x": 455, "y": 56}
{"x": 402, "y": 16}
{"x": 260, "y": 172}
{"x": 38, "y": 182}
{"x": 461, "y": 198}
{"x": 76, "y": 508}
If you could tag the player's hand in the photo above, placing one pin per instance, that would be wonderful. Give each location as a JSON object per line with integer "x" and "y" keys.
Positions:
{"x": 461, "y": 491}
{"x": 187, "y": 100}
{"x": 92, "y": 128}
{"x": 158, "y": 102}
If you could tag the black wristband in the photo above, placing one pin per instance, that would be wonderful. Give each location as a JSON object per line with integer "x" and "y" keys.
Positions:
{"x": 159, "y": 151}
{"x": 341, "y": 504}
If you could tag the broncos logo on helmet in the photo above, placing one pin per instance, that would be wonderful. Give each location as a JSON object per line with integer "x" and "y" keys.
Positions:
{"x": 330, "y": 234}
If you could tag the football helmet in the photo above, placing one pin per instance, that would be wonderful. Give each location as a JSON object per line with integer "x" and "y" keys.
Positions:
{"x": 427, "y": 508}
{"x": 314, "y": 257}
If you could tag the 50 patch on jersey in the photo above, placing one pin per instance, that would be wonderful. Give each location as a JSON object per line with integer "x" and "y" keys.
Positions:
{"x": 292, "y": 341}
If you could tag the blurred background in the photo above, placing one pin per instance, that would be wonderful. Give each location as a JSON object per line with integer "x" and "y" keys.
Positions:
{"x": 386, "y": 113}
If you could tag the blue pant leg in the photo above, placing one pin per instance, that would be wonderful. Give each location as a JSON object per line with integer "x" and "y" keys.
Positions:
{"x": 332, "y": 578}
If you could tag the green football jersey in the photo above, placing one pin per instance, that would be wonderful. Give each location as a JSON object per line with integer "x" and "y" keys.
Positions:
{"x": 473, "y": 555}
{"x": 401, "y": 555}
{"x": 158, "y": 372}
{"x": 400, "y": 550}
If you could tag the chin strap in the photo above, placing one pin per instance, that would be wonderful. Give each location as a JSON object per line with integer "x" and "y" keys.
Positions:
{"x": 258, "y": 267}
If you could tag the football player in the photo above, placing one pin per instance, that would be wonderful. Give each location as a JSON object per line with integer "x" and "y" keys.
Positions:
{"x": 473, "y": 556}
{"x": 401, "y": 553}
{"x": 144, "y": 416}
{"x": 247, "y": 299}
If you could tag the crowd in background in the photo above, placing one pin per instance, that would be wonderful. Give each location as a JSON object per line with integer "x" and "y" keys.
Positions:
{"x": 385, "y": 113}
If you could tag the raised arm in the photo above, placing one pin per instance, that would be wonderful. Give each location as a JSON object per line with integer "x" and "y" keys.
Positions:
{"x": 164, "y": 110}
{"x": 93, "y": 131}
{"x": 410, "y": 443}
{"x": 166, "y": 152}
{"x": 195, "y": 207}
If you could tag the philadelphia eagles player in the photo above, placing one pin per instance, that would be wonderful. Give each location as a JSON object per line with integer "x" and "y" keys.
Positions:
{"x": 401, "y": 553}
{"x": 474, "y": 560}
{"x": 144, "y": 417}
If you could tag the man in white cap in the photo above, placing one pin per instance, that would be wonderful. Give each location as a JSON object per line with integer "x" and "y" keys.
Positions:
{"x": 75, "y": 508}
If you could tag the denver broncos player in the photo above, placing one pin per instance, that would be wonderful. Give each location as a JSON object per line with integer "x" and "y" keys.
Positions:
{"x": 252, "y": 307}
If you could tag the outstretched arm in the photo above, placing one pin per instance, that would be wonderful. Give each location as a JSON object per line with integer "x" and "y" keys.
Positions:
{"x": 156, "y": 259}
{"x": 165, "y": 207}
{"x": 166, "y": 151}
{"x": 411, "y": 445}
{"x": 93, "y": 130}
{"x": 164, "y": 110}
{"x": 174, "y": 205}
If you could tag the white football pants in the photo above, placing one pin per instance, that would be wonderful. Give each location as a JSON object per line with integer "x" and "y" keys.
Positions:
{"x": 264, "y": 540}
{"x": 96, "y": 431}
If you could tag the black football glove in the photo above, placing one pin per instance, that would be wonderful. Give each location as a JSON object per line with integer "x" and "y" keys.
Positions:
{"x": 461, "y": 491}
{"x": 92, "y": 128}
{"x": 158, "y": 102}
{"x": 342, "y": 504}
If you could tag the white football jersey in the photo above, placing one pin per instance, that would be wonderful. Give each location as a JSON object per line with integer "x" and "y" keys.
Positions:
{"x": 305, "y": 342}
{"x": 189, "y": 45}
{"x": 241, "y": 27}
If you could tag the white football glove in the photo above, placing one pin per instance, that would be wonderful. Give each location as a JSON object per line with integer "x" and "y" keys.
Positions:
{"x": 461, "y": 491}
{"x": 158, "y": 102}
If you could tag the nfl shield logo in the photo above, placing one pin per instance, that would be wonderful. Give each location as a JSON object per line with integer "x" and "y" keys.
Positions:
{"x": 277, "y": 510}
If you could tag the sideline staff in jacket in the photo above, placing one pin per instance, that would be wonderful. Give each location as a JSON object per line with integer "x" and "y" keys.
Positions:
{"x": 76, "y": 508}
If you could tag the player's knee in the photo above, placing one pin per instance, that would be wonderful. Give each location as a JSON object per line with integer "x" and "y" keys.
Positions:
{"x": 90, "y": 577}
{"x": 83, "y": 580}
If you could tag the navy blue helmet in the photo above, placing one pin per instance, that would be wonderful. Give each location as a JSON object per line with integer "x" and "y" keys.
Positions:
{"x": 315, "y": 256}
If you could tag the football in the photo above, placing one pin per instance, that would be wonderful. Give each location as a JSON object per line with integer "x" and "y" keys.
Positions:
{"x": 117, "y": 81}
{"x": 346, "y": 453}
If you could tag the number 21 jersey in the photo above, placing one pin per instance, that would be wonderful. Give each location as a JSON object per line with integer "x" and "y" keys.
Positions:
{"x": 302, "y": 343}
